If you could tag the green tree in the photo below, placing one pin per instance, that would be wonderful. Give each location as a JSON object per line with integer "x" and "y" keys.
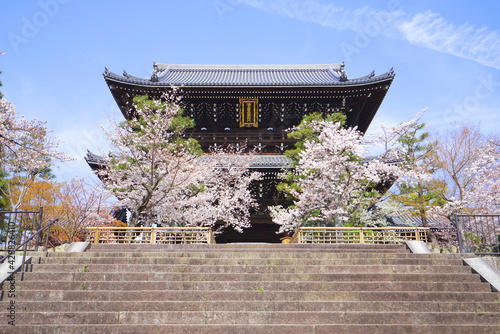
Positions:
{"x": 308, "y": 130}
{"x": 4, "y": 201}
{"x": 420, "y": 193}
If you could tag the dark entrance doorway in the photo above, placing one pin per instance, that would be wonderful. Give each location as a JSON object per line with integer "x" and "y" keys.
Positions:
{"x": 259, "y": 232}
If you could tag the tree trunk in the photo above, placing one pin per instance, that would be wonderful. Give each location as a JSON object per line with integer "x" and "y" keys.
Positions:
{"x": 134, "y": 218}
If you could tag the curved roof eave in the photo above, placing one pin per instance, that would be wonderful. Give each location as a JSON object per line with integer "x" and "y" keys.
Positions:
{"x": 143, "y": 82}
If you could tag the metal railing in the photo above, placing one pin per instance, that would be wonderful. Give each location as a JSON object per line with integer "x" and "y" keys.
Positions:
{"x": 13, "y": 249}
{"x": 478, "y": 234}
{"x": 150, "y": 235}
{"x": 359, "y": 235}
{"x": 17, "y": 226}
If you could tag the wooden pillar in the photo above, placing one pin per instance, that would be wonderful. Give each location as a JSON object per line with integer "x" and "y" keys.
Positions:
{"x": 153, "y": 235}
{"x": 96, "y": 235}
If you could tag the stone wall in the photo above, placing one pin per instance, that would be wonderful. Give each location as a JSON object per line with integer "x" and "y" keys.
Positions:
{"x": 443, "y": 249}
{"x": 493, "y": 260}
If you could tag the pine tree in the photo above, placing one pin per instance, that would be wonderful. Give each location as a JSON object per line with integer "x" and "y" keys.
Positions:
{"x": 420, "y": 193}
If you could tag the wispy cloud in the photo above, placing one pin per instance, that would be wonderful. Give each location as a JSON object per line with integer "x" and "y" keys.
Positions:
{"x": 432, "y": 31}
{"x": 426, "y": 29}
{"x": 326, "y": 15}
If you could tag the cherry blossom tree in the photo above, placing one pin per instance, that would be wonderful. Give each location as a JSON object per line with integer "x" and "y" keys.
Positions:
{"x": 158, "y": 174}
{"x": 82, "y": 204}
{"x": 468, "y": 161}
{"x": 456, "y": 151}
{"x": 309, "y": 130}
{"x": 483, "y": 195}
{"x": 334, "y": 184}
{"x": 223, "y": 197}
{"x": 151, "y": 163}
{"x": 27, "y": 150}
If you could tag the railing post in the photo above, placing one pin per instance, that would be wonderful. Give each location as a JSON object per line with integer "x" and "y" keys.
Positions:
{"x": 24, "y": 259}
{"x": 37, "y": 242}
{"x": 460, "y": 238}
{"x": 96, "y": 236}
{"x": 153, "y": 235}
{"x": 361, "y": 236}
{"x": 47, "y": 240}
{"x": 417, "y": 234}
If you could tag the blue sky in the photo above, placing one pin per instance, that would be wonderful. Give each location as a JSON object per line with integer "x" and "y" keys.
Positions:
{"x": 446, "y": 54}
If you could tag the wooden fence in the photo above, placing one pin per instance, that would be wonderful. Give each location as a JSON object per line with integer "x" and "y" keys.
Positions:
{"x": 304, "y": 235}
{"x": 150, "y": 235}
{"x": 359, "y": 235}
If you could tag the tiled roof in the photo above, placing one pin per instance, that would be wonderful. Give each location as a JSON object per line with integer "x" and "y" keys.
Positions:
{"x": 248, "y": 75}
{"x": 271, "y": 161}
{"x": 258, "y": 161}
{"x": 94, "y": 158}
{"x": 416, "y": 221}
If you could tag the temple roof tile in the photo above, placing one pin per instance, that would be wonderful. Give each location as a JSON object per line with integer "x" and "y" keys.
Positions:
{"x": 248, "y": 75}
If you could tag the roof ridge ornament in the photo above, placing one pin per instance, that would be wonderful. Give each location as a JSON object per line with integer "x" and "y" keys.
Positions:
{"x": 343, "y": 75}
{"x": 338, "y": 73}
{"x": 372, "y": 74}
{"x": 156, "y": 72}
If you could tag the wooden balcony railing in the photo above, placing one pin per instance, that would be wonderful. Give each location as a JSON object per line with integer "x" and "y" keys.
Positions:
{"x": 359, "y": 235}
{"x": 150, "y": 235}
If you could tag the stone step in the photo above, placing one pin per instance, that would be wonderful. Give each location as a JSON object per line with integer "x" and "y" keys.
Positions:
{"x": 239, "y": 261}
{"x": 255, "y": 284}
{"x": 255, "y": 295}
{"x": 333, "y": 306}
{"x": 259, "y": 288}
{"x": 196, "y": 273}
{"x": 256, "y": 317}
{"x": 252, "y": 252}
{"x": 255, "y": 329}
{"x": 248, "y": 246}
{"x": 243, "y": 268}
{"x": 258, "y": 255}
{"x": 261, "y": 250}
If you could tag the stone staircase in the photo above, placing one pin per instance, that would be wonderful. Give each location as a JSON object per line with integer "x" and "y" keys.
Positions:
{"x": 251, "y": 288}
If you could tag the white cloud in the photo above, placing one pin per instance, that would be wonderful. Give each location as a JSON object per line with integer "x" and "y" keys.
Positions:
{"x": 432, "y": 31}
{"x": 427, "y": 29}
{"x": 324, "y": 14}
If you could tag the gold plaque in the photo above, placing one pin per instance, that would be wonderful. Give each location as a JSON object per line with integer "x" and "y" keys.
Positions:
{"x": 249, "y": 113}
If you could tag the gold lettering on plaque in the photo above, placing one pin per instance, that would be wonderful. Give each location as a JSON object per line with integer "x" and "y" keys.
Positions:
{"x": 249, "y": 113}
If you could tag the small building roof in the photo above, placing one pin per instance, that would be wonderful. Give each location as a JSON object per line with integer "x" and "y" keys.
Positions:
{"x": 257, "y": 161}
{"x": 407, "y": 220}
{"x": 247, "y": 75}
{"x": 271, "y": 161}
